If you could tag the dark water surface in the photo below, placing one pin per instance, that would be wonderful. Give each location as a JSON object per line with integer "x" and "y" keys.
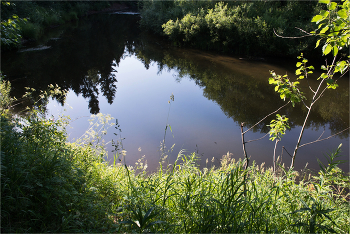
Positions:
{"x": 110, "y": 66}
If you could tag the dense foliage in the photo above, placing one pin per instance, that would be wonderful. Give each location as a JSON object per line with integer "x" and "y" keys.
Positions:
{"x": 242, "y": 27}
{"x": 28, "y": 19}
{"x": 50, "y": 185}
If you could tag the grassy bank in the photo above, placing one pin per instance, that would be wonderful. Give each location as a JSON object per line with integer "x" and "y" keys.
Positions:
{"x": 51, "y": 185}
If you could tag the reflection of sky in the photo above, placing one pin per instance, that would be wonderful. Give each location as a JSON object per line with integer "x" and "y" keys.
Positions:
{"x": 141, "y": 107}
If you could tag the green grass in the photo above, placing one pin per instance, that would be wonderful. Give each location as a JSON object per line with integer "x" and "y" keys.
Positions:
{"x": 51, "y": 185}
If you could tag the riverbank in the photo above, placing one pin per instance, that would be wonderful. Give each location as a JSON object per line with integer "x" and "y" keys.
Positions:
{"x": 51, "y": 185}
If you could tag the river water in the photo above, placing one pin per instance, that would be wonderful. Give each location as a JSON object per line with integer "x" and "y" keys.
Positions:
{"x": 110, "y": 66}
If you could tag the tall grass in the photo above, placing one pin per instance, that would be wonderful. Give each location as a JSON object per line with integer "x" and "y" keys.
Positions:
{"x": 51, "y": 185}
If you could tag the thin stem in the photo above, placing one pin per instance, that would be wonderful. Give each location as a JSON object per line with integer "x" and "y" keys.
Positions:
{"x": 274, "y": 157}
{"x": 243, "y": 144}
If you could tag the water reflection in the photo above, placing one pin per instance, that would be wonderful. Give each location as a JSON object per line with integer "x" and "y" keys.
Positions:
{"x": 86, "y": 58}
{"x": 81, "y": 59}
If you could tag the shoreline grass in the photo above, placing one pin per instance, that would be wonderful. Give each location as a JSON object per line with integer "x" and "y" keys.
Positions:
{"x": 49, "y": 185}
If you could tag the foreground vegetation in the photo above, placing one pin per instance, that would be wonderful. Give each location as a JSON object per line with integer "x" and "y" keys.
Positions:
{"x": 51, "y": 185}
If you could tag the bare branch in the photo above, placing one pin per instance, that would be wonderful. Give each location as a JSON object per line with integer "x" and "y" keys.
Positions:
{"x": 287, "y": 152}
{"x": 266, "y": 117}
{"x": 257, "y": 139}
{"x": 318, "y": 140}
{"x": 321, "y": 135}
{"x": 308, "y": 34}
{"x": 243, "y": 144}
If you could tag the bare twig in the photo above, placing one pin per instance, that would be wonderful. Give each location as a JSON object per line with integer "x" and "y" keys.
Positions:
{"x": 257, "y": 139}
{"x": 321, "y": 135}
{"x": 244, "y": 149}
{"x": 318, "y": 140}
{"x": 308, "y": 35}
{"x": 287, "y": 151}
{"x": 266, "y": 117}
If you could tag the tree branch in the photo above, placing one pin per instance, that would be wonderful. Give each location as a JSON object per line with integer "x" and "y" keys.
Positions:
{"x": 308, "y": 34}
{"x": 257, "y": 139}
{"x": 287, "y": 152}
{"x": 266, "y": 117}
{"x": 318, "y": 140}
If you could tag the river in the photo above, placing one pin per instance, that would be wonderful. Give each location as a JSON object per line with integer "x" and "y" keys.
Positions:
{"x": 110, "y": 66}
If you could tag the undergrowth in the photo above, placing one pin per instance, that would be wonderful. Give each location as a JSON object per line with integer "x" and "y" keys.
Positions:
{"x": 51, "y": 185}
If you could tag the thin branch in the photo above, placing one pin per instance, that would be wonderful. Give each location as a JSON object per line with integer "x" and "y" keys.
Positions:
{"x": 266, "y": 117}
{"x": 323, "y": 138}
{"x": 309, "y": 35}
{"x": 320, "y": 135}
{"x": 257, "y": 139}
{"x": 310, "y": 87}
{"x": 243, "y": 144}
{"x": 287, "y": 152}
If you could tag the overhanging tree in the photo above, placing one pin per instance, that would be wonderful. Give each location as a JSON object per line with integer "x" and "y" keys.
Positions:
{"x": 334, "y": 32}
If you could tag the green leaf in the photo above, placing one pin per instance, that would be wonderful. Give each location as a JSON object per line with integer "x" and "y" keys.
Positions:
{"x": 324, "y": 13}
{"x": 335, "y": 51}
{"x": 297, "y": 72}
{"x": 324, "y": 76}
{"x": 324, "y": 30}
{"x": 324, "y": 1}
{"x": 318, "y": 43}
{"x": 330, "y": 81}
{"x": 343, "y": 14}
{"x": 299, "y": 64}
{"x": 333, "y": 6}
{"x": 317, "y": 18}
{"x": 326, "y": 49}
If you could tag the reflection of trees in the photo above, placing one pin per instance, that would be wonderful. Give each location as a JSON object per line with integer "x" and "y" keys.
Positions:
{"x": 246, "y": 98}
{"x": 81, "y": 60}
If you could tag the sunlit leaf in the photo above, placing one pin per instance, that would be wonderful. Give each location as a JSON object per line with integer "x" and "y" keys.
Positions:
{"x": 317, "y": 18}
{"x": 343, "y": 14}
{"x": 324, "y": 1}
{"x": 318, "y": 43}
{"x": 333, "y": 6}
{"x": 324, "y": 30}
{"x": 326, "y": 49}
{"x": 335, "y": 51}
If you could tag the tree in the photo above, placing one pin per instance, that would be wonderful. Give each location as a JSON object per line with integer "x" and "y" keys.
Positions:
{"x": 334, "y": 30}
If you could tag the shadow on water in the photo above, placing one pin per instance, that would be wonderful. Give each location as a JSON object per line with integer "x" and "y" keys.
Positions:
{"x": 84, "y": 57}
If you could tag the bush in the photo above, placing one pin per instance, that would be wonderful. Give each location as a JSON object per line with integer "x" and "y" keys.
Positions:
{"x": 244, "y": 28}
